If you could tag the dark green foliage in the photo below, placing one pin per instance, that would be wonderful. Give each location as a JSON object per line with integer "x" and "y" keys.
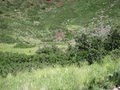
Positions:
{"x": 13, "y": 62}
{"x": 23, "y": 45}
{"x": 99, "y": 83}
{"x": 89, "y": 48}
{"x": 92, "y": 47}
{"x": 47, "y": 50}
{"x": 6, "y": 39}
{"x": 113, "y": 40}
{"x": 115, "y": 76}
{"x": 53, "y": 55}
{"x": 3, "y": 24}
{"x": 115, "y": 54}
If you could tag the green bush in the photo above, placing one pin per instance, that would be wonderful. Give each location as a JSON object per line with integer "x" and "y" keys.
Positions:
{"x": 89, "y": 48}
{"x": 47, "y": 50}
{"x": 115, "y": 54}
{"x": 113, "y": 39}
{"x": 115, "y": 76}
{"x": 92, "y": 47}
{"x": 13, "y": 62}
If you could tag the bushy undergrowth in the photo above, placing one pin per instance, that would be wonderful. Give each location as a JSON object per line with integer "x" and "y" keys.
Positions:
{"x": 93, "y": 47}
{"x": 113, "y": 39}
{"x": 88, "y": 48}
{"x": 13, "y": 62}
{"x": 88, "y": 77}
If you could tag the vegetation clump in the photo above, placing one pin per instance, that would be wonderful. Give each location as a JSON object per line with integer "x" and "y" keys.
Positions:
{"x": 88, "y": 48}
{"x": 90, "y": 30}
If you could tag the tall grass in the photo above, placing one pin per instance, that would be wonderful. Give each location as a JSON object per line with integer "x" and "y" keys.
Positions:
{"x": 87, "y": 77}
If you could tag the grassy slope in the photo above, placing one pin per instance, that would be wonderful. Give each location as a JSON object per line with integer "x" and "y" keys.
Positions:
{"x": 63, "y": 78}
{"x": 19, "y": 21}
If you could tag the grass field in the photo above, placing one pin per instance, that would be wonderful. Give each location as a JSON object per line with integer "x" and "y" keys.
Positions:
{"x": 34, "y": 24}
{"x": 62, "y": 78}
{"x": 28, "y": 25}
{"x": 28, "y": 51}
{"x": 10, "y": 48}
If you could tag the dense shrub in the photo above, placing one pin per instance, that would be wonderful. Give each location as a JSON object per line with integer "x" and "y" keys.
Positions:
{"x": 113, "y": 40}
{"x": 114, "y": 77}
{"x": 47, "y": 50}
{"x": 115, "y": 54}
{"x": 92, "y": 47}
{"x": 54, "y": 55}
{"x": 88, "y": 48}
{"x": 13, "y": 62}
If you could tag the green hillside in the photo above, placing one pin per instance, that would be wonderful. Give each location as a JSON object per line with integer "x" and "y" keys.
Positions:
{"x": 59, "y": 44}
{"x": 22, "y": 19}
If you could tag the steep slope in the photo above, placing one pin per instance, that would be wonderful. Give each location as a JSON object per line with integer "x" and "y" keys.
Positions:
{"x": 33, "y": 21}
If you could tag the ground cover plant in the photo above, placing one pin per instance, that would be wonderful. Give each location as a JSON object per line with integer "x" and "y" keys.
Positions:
{"x": 20, "y": 19}
{"x": 97, "y": 76}
{"x": 86, "y": 50}
{"x": 59, "y": 44}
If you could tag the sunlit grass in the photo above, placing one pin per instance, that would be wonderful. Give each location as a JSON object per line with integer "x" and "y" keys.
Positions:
{"x": 10, "y": 48}
{"x": 28, "y": 51}
{"x": 60, "y": 78}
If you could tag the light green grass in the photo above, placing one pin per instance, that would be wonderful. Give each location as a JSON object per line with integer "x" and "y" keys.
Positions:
{"x": 28, "y": 51}
{"x": 60, "y": 78}
{"x": 10, "y": 48}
